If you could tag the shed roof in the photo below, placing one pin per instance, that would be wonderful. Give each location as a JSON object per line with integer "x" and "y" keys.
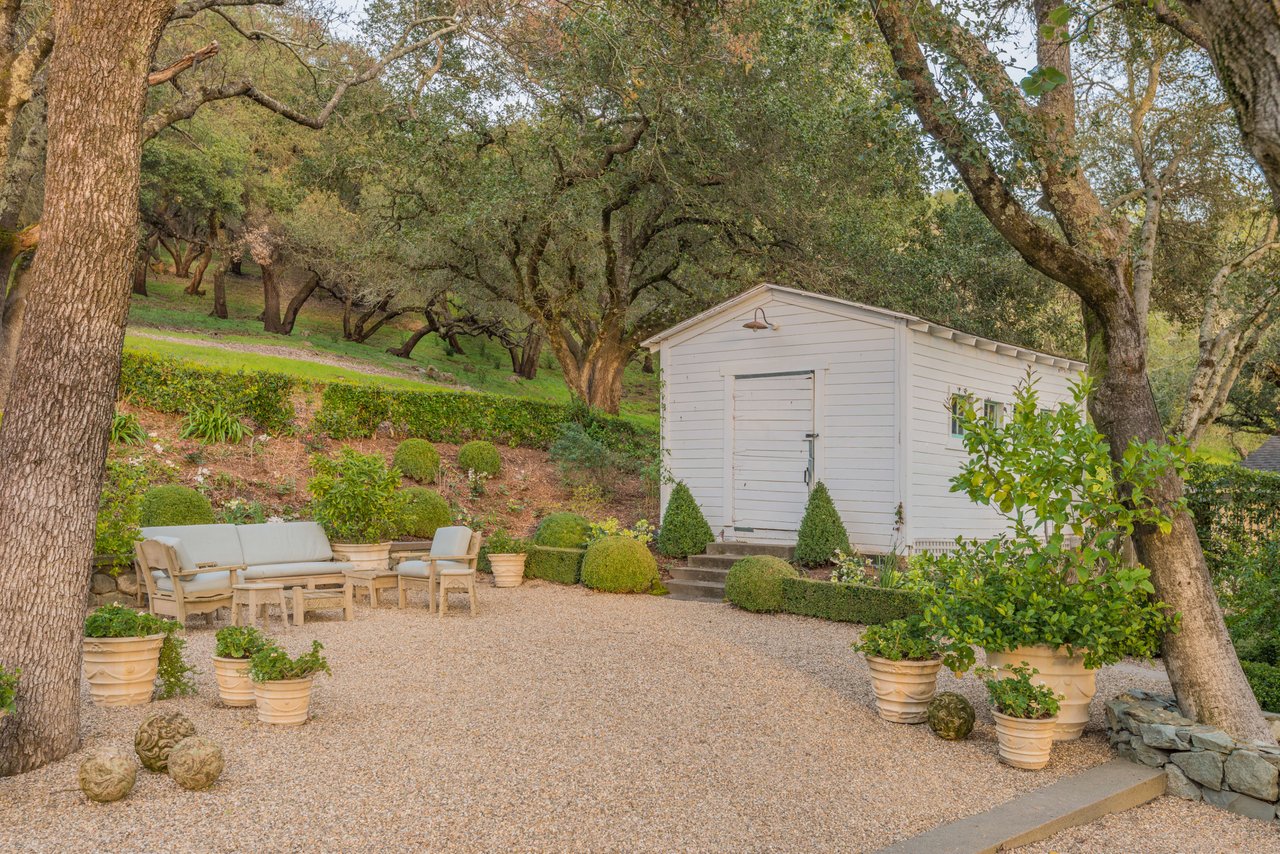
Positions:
{"x": 1266, "y": 457}
{"x": 919, "y": 324}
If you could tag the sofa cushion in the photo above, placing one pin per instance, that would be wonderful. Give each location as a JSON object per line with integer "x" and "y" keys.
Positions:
{"x": 196, "y": 585}
{"x": 284, "y": 542}
{"x": 268, "y": 571}
{"x": 418, "y": 568}
{"x": 217, "y": 544}
{"x": 451, "y": 541}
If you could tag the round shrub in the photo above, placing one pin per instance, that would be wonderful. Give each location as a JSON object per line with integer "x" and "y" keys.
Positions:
{"x": 424, "y": 512}
{"x": 560, "y": 531}
{"x": 480, "y": 457}
{"x": 619, "y": 565}
{"x": 755, "y": 583}
{"x": 173, "y": 504}
{"x": 684, "y": 529}
{"x": 417, "y": 460}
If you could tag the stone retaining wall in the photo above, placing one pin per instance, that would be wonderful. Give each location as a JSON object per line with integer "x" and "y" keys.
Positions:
{"x": 105, "y": 588}
{"x": 1202, "y": 763}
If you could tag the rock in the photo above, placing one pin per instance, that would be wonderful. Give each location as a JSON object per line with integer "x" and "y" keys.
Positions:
{"x": 101, "y": 583}
{"x": 1115, "y": 711}
{"x": 1203, "y": 766}
{"x": 127, "y": 581}
{"x": 1273, "y": 721}
{"x": 1163, "y": 736}
{"x": 195, "y": 763}
{"x": 107, "y": 774}
{"x": 1213, "y": 739}
{"x": 1177, "y": 784}
{"x": 1147, "y": 755}
{"x": 1248, "y": 773}
{"x": 114, "y": 598}
{"x": 157, "y": 735}
{"x": 951, "y": 716}
{"x": 1242, "y": 804}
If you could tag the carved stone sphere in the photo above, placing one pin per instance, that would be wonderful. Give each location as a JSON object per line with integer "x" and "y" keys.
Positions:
{"x": 195, "y": 763}
{"x": 951, "y": 716}
{"x": 157, "y": 735}
{"x": 107, "y": 774}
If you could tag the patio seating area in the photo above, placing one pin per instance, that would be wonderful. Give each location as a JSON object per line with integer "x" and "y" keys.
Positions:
{"x": 566, "y": 719}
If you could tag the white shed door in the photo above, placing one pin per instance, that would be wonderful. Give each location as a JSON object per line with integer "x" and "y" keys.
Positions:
{"x": 772, "y": 427}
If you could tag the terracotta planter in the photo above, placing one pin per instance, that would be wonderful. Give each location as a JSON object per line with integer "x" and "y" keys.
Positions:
{"x": 508, "y": 570}
{"x": 1025, "y": 743}
{"x": 234, "y": 685}
{"x": 375, "y": 557}
{"x": 1065, "y": 674}
{"x": 903, "y": 688}
{"x": 121, "y": 671}
{"x": 285, "y": 702}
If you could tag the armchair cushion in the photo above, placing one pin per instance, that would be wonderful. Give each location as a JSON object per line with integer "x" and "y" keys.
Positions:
{"x": 197, "y": 585}
{"x": 422, "y": 568}
{"x": 451, "y": 541}
{"x": 283, "y": 542}
{"x": 217, "y": 544}
{"x": 268, "y": 571}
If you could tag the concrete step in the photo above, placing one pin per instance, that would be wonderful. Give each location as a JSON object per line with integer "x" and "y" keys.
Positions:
{"x": 714, "y": 561}
{"x": 700, "y": 573}
{"x": 704, "y": 590}
{"x": 1104, "y": 789}
{"x": 744, "y": 549}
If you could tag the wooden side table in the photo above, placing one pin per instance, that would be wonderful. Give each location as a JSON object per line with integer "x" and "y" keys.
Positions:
{"x": 258, "y": 595}
{"x": 373, "y": 582}
{"x": 318, "y": 600}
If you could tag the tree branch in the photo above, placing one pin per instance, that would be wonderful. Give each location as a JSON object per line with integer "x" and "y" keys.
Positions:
{"x": 164, "y": 75}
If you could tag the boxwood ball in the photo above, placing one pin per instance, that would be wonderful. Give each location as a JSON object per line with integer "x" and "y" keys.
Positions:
{"x": 107, "y": 774}
{"x": 951, "y": 716}
{"x": 157, "y": 734}
{"x": 195, "y": 763}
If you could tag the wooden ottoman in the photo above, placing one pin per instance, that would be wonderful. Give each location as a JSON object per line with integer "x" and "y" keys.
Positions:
{"x": 321, "y": 600}
{"x": 256, "y": 595}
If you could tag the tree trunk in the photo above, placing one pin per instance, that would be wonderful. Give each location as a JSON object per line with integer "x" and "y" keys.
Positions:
{"x": 143, "y": 264}
{"x": 197, "y": 278}
{"x": 524, "y": 358}
{"x": 647, "y": 365}
{"x": 271, "y": 321}
{"x": 235, "y": 266}
{"x": 53, "y": 438}
{"x": 220, "y": 291}
{"x": 295, "y": 304}
{"x": 405, "y": 350}
{"x": 187, "y": 253}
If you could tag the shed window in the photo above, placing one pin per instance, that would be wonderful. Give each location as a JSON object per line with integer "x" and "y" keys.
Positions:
{"x": 957, "y": 409}
{"x": 993, "y": 412}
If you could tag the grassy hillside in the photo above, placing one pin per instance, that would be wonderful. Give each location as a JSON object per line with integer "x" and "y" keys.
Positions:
{"x": 187, "y": 331}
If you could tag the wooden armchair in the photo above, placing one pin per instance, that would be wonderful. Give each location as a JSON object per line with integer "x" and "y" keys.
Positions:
{"x": 455, "y": 552}
{"x": 176, "y": 586}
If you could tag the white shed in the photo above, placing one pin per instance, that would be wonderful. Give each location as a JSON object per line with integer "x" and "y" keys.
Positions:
{"x": 855, "y": 396}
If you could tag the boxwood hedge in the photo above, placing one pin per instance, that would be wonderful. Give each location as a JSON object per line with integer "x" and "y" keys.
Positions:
{"x": 1264, "y": 679}
{"x": 171, "y": 385}
{"x": 847, "y": 603}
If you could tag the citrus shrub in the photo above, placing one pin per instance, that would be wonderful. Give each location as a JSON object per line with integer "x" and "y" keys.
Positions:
{"x": 684, "y": 529}
{"x": 424, "y": 511}
{"x": 417, "y": 460}
{"x": 821, "y": 533}
{"x": 619, "y": 564}
{"x": 755, "y": 583}
{"x": 481, "y": 457}
{"x": 558, "y": 531}
{"x": 174, "y": 504}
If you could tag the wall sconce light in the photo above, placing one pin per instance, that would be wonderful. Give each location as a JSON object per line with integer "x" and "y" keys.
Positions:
{"x": 759, "y": 321}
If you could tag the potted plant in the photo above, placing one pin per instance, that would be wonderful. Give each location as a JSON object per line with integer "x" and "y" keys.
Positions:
{"x": 506, "y": 558}
{"x": 1054, "y": 591}
{"x": 8, "y": 690}
{"x": 233, "y": 647}
{"x": 356, "y": 499}
{"x": 124, "y": 650}
{"x": 904, "y": 663}
{"x": 282, "y": 685}
{"x": 1026, "y": 715}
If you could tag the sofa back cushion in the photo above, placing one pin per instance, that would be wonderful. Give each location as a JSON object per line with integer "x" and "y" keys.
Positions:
{"x": 203, "y": 543}
{"x": 450, "y": 542}
{"x": 283, "y": 542}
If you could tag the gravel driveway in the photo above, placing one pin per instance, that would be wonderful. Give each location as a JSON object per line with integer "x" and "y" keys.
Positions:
{"x": 560, "y": 719}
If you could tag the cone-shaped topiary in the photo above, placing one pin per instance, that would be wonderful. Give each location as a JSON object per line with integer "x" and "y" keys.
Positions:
{"x": 173, "y": 504}
{"x": 821, "y": 531}
{"x": 417, "y": 460}
{"x": 481, "y": 457}
{"x": 561, "y": 531}
{"x": 619, "y": 565}
{"x": 424, "y": 512}
{"x": 684, "y": 529}
{"x": 755, "y": 583}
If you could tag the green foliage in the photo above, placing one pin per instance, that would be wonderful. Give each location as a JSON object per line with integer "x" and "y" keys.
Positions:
{"x": 1237, "y": 511}
{"x": 238, "y": 642}
{"x": 417, "y": 459}
{"x": 174, "y": 504}
{"x": 169, "y": 385}
{"x": 8, "y": 688}
{"x": 126, "y": 429}
{"x": 619, "y": 564}
{"x": 684, "y": 529}
{"x": 584, "y": 459}
{"x": 1264, "y": 679}
{"x": 355, "y": 411}
{"x": 117, "y": 621}
{"x": 273, "y": 664}
{"x": 567, "y": 532}
{"x": 1018, "y": 697}
{"x": 175, "y": 675}
{"x": 237, "y": 511}
{"x": 502, "y": 543}
{"x": 848, "y": 603}
{"x": 481, "y": 457}
{"x": 119, "y": 510}
{"x": 822, "y": 534}
{"x": 1050, "y": 470}
{"x": 356, "y": 498}
{"x": 641, "y": 531}
{"x": 212, "y": 426}
{"x": 424, "y": 511}
{"x": 899, "y": 640}
{"x": 755, "y": 583}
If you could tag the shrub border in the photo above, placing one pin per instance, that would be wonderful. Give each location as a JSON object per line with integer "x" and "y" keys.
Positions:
{"x": 847, "y": 603}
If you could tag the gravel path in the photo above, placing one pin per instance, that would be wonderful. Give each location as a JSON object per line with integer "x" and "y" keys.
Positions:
{"x": 560, "y": 719}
